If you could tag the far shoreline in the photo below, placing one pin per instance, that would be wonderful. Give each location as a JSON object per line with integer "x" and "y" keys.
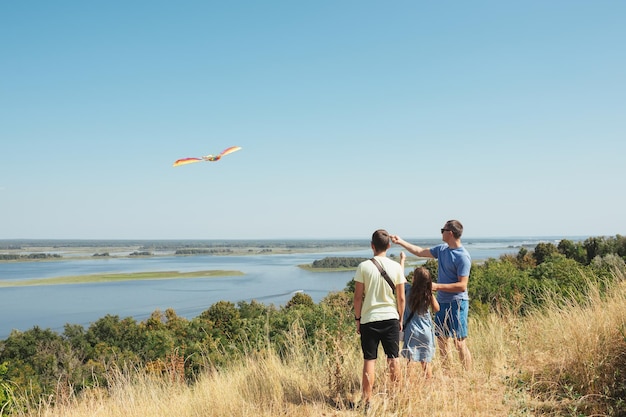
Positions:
{"x": 49, "y": 251}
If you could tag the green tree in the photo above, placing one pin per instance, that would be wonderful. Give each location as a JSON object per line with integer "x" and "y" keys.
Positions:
{"x": 572, "y": 250}
{"x": 337, "y": 262}
{"x": 543, "y": 251}
{"x": 609, "y": 266}
{"x": 254, "y": 309}
{"x": 601, "y": 246}
{"x": 223, "y": 323}
{"x": 500, "y": 285}
{"x": 6, "y": 392}
{"x": 125, "y": 334}
{"x": 523, "y": 260}
{"x": 620, "y": 245}
{"x": 562, "y": 276}
{"x": 350, "y": 285}
{"x": 433, "y": 267}
{"x": 300, "y": 299}
{"x": 177, "y": 326}
{"x": 41, "y": 361}
{"x": 76, "y": 336}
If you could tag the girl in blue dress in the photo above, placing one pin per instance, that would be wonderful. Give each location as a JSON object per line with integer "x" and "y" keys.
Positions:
{"x": 419, "y": 337}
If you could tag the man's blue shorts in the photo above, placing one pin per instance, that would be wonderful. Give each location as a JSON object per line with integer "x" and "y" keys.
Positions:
{"x": 451, "y": 319}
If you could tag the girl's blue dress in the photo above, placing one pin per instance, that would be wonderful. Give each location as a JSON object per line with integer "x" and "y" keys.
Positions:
{"x": 419, "y": 337}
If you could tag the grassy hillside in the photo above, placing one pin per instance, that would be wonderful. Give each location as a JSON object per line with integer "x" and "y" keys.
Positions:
{"x": 564, "y": 359}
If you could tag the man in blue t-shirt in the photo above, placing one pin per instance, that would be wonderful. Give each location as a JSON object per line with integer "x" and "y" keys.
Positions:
{"x": 454, "y": 269}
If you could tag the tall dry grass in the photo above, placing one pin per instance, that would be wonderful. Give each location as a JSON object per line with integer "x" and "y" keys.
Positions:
{"x": 567, "y": 359}
{"x": 570, "y": 357}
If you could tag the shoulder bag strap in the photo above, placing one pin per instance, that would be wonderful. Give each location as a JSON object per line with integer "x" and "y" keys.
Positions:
{"x": 384, "y": 274}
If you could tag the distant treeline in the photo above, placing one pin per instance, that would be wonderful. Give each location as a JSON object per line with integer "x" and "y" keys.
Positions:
{"x": 213, "y": 251}
{"x": 337, "y": 262}
{"x": 201, "y": 251}
{"x": 15, "y": 257}
{"x": 17, "y": 244}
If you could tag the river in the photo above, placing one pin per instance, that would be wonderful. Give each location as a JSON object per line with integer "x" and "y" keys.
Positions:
{"x": 268, "y": 278}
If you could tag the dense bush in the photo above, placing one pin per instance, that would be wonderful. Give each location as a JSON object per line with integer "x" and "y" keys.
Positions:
{"x": 40, "y": 361}
{"x": 520, "y": 282}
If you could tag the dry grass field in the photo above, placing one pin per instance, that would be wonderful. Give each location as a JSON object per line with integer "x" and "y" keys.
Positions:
{"x": 568, "y": 359}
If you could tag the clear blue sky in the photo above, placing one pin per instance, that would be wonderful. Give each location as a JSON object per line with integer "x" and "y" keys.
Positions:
{"x": 352, "y": 115}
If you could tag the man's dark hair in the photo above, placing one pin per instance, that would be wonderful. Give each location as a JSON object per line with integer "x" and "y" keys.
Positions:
{"x": 380, "y": 240}
{"x": 455, "y": 227}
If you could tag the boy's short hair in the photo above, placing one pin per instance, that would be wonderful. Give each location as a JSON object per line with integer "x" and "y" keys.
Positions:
{"x": 380, "y": 240}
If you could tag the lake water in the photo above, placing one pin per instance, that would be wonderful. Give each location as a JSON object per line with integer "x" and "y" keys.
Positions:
{"x": 269, "y": 279}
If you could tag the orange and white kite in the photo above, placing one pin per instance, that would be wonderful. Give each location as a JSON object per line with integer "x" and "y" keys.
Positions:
{"x": 207, "y": 158}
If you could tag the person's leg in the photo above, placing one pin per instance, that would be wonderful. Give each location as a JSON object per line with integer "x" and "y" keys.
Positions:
{"x": 442, "y": 330}
{"x": 411, "y": 371}
{"x": 464, "y": 353}
{"x": 442, "y": 343}
{"x": 427, "y": 370}
{"x": 461, "y": 334}
{"x": 369, "y": 346}
{"x": 369, "y": 369}
{"x": 390, "y": 337}
{"x": 419, "y": 370}
{"x": 393, "y": 364}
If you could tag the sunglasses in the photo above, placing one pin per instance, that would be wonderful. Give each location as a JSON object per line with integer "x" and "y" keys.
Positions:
{"x": 445, "y": 230}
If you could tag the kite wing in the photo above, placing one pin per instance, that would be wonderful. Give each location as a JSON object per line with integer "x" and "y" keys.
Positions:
{"x": 186, "y": 161}
{"x": 208, "y": 158}
{"x": 230, "y": 150}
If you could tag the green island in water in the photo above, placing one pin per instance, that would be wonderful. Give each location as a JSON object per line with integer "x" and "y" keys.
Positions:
{"x": 130, "y": 276}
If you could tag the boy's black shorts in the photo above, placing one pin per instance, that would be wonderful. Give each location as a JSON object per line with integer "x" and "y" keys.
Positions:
{"x": 386, "y": 332}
